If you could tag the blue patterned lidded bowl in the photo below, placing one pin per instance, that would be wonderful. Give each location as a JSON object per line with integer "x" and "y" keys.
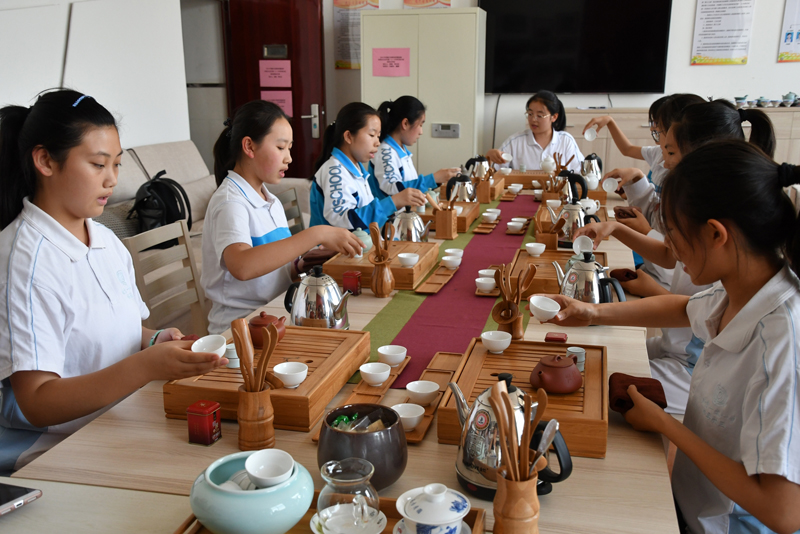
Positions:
{"x": 434, "y": 509}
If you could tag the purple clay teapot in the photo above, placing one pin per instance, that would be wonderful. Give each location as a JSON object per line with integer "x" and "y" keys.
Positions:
{"x": 557, "y": 374}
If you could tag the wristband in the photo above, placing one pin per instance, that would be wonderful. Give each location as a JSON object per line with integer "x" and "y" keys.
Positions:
{"x": 153, "y": 339}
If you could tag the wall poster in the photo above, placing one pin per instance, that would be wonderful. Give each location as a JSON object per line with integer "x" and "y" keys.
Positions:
{"x": 789, "y": 49}
{"x": 347, "y": 31}
{"x": 722, "y": 30}
{"x": 391, "y": 62}
{"x": 422, "y": 4}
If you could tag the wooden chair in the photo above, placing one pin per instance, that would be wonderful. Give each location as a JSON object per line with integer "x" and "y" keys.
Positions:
{"x": 292, "y": 209}
{"x": 168, "y": 279}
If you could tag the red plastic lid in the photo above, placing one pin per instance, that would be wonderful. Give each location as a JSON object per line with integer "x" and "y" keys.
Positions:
{"x": 203, "y": 407}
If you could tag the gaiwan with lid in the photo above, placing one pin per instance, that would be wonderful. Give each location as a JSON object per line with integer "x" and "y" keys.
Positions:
{"x": 434, "y": 509}
{"x": 365, "y": 238}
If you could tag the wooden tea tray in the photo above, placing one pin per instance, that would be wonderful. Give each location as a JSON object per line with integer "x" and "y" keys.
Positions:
{"x": 486, "y": 227}
{"x": 436, "y": 281}
{"x": 404, "y": 277}
{"x": 440, "y": 370}
{"x": 545, "y": 280}
{"x": 363, "y": 393}
{"x": 468, "y": 215}
{"x": 332, "y": 356}
{"x": 582, "y": 415}
{"x": 508, "y": 197}
{"x": 525, "y": 178}
{"x": 522, "y": 230}
{"x": 476, "y": 519}
{"x": 493, "y": 293}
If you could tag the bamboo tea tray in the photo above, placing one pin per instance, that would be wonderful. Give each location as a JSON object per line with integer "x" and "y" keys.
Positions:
{"x": 468, "y": 215}
{"x": 526, "y": 178}
{"x": 486, "y": 227}
{"x": 545, "y": 280}
{"x": 493, "y": 293}
{"x": 436, "y": 281}
{"x": 332, "y": 356}
{"x": 582, "y": 415}
{"x": 508, "y": 197}
{"x": 523, "y": 230}
{"x": 404, "y": 277}
{"x": 476, "y": 519}
{"x": 363, "y": 393}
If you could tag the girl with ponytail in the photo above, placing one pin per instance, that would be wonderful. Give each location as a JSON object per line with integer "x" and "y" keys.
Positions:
{"x": 401, "y": 126}
{"x": 543, "y": 137}
{"x": 249, "y": 255}
{"x": 730, "y": 223}
{"x": 341, "y": 195}
{"x": 73, "y": 342}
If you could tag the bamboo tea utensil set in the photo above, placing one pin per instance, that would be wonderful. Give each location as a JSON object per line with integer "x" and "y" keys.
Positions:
{"x": 516, "y": 504}
{"x": 506, "y": 313}
{"x": 255, "y": 413}
{"x": 382, "y": 278}
{"x": 445, "y": 217}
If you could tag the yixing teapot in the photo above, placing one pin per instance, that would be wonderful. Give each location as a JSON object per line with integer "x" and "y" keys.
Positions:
{"x": 557, "y": 374}
{"x": 262, "y": 321}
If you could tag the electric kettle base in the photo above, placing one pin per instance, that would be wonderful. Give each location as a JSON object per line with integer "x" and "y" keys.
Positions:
{"x": 487, "y": 493}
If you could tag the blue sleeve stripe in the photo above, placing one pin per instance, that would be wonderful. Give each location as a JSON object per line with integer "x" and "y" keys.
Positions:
{"x": 8, "y": 301}
{"x": 317, "y": 201}
{"x": 30, "y": 300}
{"x": 271, "y": 237}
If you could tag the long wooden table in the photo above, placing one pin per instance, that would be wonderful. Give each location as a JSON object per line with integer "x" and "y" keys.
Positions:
{"x": 134, "y": 448}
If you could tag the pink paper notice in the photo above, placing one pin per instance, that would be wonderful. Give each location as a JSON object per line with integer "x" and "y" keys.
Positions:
{"x": 391, "y": 62}
{"x": 275, "y": 72}
{"x": 282, "y": 98}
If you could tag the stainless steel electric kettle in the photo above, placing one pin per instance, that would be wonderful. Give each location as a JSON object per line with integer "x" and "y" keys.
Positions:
{"x": 587, "y": 281}
{"x": 316, "y": 301}
{"x": 408, "y": 226}
{"x": 572, "y": 211}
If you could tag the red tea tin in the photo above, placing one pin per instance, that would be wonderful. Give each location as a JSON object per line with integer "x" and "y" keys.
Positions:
{"x": 352, "y": 281}
{"x": 204, "y": 422}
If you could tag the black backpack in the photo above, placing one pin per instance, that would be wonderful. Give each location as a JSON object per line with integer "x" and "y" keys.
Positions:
{"x": 159, "y": 202}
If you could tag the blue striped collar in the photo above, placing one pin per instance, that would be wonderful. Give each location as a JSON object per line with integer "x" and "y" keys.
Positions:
{"x": 403, "y": 151}
{"x": 349, "y": 165}
{"x": 249, "y": 193}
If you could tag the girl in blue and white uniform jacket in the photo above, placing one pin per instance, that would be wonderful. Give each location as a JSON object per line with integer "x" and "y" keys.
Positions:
{"x": 729, "y": 221}
{"x": 392, "y": 170}
{"x": 341, "y": 195}
{"x": 543, "y": 137}
{"x": 249, "y": 255}
{"x": 674, "y": 354}
{"x": 72, "y": 343}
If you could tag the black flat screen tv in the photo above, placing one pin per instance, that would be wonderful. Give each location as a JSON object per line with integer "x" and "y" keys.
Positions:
{"x": 576, "y": 46}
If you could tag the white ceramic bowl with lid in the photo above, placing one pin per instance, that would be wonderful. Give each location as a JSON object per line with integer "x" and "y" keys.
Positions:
{"x": 434, "y": 509}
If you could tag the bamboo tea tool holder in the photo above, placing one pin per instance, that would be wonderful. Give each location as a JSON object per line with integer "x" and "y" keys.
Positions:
{"x": 516, "y": 504}
{"x": 506, "y": 313}
{"x": 485, "y": 187}
{"x": 255, "y": 413}
{"x": 446, "y": 221}
{"x": 382, "y": 282}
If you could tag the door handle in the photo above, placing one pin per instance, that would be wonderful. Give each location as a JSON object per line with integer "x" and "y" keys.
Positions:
{"x": 314, "y": 120}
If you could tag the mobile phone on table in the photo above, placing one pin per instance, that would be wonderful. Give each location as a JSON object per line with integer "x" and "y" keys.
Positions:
{"x": 13, "y": 497}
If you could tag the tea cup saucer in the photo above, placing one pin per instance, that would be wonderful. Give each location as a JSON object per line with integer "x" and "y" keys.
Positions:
{"x": 317, "y": 528}
{"x": 400, "y": 528}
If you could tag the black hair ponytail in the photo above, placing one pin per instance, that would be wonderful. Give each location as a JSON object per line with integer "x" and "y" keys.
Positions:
{"x": 57, "y": 121}
{"x": 707, "y": 121}
{"x": 253, "y": 120}
{"x": 734, "y": 181}
{"x": 351, "y": 118}
{"x": 553, "y": 105}
{"x": 393, "y": 113}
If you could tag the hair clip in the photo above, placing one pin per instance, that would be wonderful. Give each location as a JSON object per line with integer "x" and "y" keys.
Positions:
{"x": 79, "y": 100}
{"x": 227, "y": 122}
{"x": 786, "y": 175}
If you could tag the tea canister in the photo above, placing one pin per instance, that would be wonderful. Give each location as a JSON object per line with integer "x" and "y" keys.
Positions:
{"x": 352, "y": 282}
{"x": 204, "y": 422}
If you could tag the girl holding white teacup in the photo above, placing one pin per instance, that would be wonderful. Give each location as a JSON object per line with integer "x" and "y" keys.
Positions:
{"x": 543, "y": 137}
{"x": 392, "y": 169}
{"x": 72, "y": 343}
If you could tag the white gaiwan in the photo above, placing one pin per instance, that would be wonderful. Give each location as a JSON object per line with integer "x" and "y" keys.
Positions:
{"x": 434, "y": 509}
{"x": 548, "y": 164}
{"x": 592, "y": 181}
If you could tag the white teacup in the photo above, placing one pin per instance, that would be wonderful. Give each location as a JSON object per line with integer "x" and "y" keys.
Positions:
{"x": 553, "y": 204}
{"x": 610, "y": 185}
{"x": 590, "y": 205}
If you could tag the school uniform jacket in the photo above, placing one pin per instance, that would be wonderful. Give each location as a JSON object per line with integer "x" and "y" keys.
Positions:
{"x": 341, "y": 196}
{"x": 394, "y": 171}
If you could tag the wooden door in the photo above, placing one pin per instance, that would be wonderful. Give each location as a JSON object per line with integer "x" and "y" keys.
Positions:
{"x": 276, "y": 30}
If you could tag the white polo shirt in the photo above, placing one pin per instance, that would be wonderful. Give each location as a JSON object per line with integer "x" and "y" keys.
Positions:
{"x": 68, "y": 309}
{"x": 646, "y": 194}
{"x": 393, "y": 170}
{"x": 341, "y": 196}
{"x": 743, "y": 399}
{"x": 526, "y": 151}
{"x": 237, "y": 214}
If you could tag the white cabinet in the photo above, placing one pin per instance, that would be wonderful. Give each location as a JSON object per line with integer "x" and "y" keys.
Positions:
{"x": 447, "y": 49}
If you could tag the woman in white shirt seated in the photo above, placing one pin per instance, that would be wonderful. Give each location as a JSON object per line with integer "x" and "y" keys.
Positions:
{"x": 543, "y": 137}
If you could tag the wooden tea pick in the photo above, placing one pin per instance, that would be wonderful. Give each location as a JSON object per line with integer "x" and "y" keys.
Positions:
{"x": 526, "y": 439}
{"x": 498, "y": 279}
{"x": 530, "y": 273}
{"x": 513, "y": 435}
{"x": 501, "y": 425}
{"x": 273, "y": 381}
{"x": 375, "y": 233}
{"x": 541, "y": 396}
{"x": 237, "y": 340}
{"x": 558, "y": 225}
{"x": 434, "y": 204}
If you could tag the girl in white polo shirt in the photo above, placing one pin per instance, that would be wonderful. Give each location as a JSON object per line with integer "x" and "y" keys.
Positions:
{"x": 392, "y": 170}
{"x": 249, "y": 255}
{"x": 341, "y": 195}
{"x": 543, "y": 137}
{"x": 731, "y": 224}
{"x": 72, "y": 342}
